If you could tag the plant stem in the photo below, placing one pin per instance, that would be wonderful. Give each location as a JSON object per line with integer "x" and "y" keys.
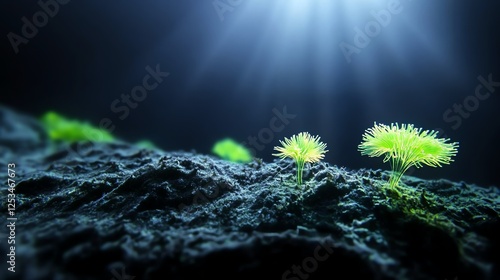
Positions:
{"x": 300, "y": 169}
{"x": 398, "y": 169}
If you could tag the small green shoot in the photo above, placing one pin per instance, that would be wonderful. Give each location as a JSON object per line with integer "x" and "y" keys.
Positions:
{"x": 405, "y": 146}
{"x": 302, "y": 148}
{"x": 230, "y": 150}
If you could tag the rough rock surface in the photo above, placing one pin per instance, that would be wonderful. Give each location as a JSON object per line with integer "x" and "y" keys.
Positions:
{"x": 115, "y": 211}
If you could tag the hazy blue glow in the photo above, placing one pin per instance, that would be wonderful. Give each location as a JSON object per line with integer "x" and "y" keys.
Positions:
{"x": 296, "y": 43}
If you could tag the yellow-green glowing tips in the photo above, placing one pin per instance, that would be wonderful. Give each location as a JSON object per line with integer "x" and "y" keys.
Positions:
{"x": 302, "y": 148}
{"x": 405, "y": 146}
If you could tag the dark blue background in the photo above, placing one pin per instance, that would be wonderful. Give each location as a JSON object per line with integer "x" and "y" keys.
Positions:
{"x": 227, "y": 76}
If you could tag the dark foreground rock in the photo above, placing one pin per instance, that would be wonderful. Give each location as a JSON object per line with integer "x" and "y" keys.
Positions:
{"x": 115, "y": 211}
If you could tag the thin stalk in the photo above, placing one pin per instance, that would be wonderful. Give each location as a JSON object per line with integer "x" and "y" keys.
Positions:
{"x": 398, "y": 169}
{"x": 300, "y": 170}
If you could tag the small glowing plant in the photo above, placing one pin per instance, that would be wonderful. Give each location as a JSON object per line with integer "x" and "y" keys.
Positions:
{"x": 302, "y": 148}
{"x": 60, "y": 128}
{"x": 405, "y": 146}
{"x": 229, "y": 149}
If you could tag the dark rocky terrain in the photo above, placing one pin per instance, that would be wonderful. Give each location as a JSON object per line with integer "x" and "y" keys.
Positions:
{"x": 115, "y": 211}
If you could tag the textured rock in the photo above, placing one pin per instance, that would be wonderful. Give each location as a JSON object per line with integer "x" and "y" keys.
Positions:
{"x": 19, "y": 134}
{"x": 108, "y": 211}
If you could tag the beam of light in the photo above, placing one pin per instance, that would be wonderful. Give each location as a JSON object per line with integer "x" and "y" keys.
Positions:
{"x": 291, "y": 43}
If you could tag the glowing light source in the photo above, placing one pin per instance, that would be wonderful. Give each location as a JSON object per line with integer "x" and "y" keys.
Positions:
{"x": 291, "y": 42}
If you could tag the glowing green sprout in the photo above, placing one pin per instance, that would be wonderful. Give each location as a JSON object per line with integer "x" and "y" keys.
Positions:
{"x": 405, "y": 146}
{"x": 60, "y": 128}
{"x": 230, "y": 150}
{"x": 302, "y": 148}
